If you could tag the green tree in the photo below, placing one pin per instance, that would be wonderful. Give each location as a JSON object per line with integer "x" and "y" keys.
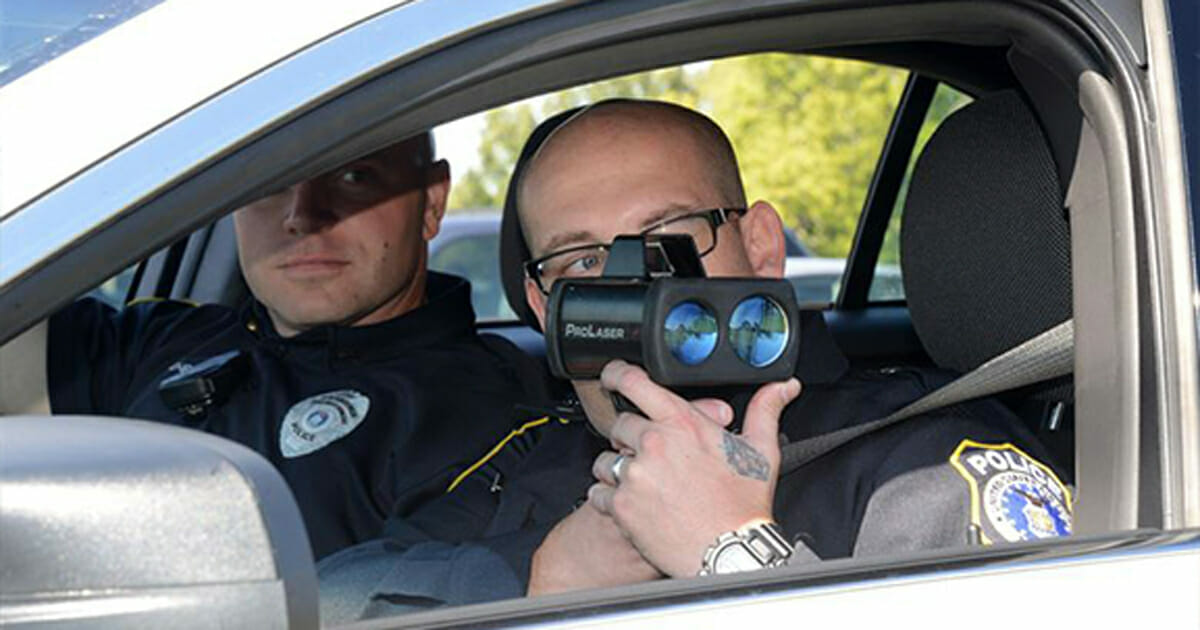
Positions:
{"x": 504, "y": 133}
{"x": 506, "y": 128}
{"x": 674, "y": 85}
{"x": 808, "y": 131}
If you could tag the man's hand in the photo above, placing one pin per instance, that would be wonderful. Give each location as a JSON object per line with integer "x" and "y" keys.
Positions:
{"x": 586, "y": 550}
{"x": 686, "y": 479}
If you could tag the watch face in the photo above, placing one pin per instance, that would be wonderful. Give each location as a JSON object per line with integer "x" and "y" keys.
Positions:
{"x": 735, "y": 558}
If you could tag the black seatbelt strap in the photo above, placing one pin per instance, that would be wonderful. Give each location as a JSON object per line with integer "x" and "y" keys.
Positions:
{"x": 1046, "y": 356}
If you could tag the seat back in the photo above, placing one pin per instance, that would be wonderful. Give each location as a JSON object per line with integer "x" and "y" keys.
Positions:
{"x": 986, "y": 251}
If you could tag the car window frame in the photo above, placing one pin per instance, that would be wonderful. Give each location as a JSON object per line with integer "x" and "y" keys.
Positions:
{"x": 886, "y": 181}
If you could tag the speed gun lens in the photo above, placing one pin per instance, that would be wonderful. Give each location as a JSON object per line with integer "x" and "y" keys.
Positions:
{"x": 758, "y": 331}
{"x": 690, "y": 332}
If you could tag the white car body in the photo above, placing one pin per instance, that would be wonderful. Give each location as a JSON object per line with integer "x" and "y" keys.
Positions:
{"x": 110, "y": 152}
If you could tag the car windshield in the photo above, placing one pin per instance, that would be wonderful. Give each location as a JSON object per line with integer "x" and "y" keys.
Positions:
{"x": 33, "y": 32}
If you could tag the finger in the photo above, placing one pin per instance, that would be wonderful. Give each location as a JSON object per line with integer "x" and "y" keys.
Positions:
{"x": 600, "y": 496}
{"x": 718, "y": 411}
{"x": 602, "y": 468}
{"x": 761, "y": 427}
{"x": 627, "y": 431}
{"x": 654, "y": 400}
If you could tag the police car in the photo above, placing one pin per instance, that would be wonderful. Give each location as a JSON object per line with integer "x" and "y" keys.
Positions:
{"x": 126, "y": 137}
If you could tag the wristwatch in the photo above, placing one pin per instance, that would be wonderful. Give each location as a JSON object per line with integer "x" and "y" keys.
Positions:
{"x": 754, "y": 546}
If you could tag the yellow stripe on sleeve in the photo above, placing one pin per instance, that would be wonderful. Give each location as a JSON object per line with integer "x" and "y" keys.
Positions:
{"x": 497, "y": 448}
{"x": 152, "y": 299}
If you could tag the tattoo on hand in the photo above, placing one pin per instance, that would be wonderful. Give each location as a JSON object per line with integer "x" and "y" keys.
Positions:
{"x": 744, "y": 459}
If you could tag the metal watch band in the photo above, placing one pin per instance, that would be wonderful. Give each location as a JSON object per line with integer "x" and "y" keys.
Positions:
{"x": 762, "y": 544}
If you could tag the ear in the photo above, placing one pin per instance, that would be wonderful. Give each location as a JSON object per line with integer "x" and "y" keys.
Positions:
{"x": 437, "y": 191}
{"x": 239, "y": 229}
{"x": 536, "y": 301}
{"x": 762, "y": 237}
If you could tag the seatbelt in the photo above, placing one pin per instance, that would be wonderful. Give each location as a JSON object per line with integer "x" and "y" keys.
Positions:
{"x": 1046, "y": 356}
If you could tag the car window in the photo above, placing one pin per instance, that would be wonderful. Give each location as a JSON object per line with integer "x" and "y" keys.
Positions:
{"x": 807, "y": 131}
{"x": 473, "y": 256}
{"x": 887, "y": 284}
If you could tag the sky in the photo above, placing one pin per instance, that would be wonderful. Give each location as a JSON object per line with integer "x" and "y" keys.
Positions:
{"x": 458, "y": 142}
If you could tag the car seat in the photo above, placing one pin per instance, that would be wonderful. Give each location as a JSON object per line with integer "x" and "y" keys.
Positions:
{"x": 985, "y": 251}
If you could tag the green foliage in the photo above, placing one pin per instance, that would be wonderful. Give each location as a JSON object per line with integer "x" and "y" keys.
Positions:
{"x": 675, "y": 85}
{"x": 507, "y": 128}
{"x": 504, "y": 134}
{"x": 807, "y": 130}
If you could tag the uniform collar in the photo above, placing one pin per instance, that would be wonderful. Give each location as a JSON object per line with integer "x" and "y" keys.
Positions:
{"x": 447, "y": 314}
{"x": 820, "y": 359}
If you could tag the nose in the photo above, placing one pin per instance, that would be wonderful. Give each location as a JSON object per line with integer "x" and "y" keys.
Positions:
{"x": 307, "y": 210}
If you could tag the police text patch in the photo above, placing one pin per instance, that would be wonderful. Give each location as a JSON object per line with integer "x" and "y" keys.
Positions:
{"x": 1014, "y": 497}
{"x": 318, "y": 420}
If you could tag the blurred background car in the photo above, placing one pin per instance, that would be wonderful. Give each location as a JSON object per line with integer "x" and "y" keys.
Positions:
{"x": 468, "y": 245}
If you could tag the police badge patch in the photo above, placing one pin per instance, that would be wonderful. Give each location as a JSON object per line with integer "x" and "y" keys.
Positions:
{"x": 318, "y": 420}
{"x": 1014, "y": 497}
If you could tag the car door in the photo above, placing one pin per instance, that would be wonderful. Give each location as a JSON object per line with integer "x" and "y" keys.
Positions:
{"x": 425, "y": 63}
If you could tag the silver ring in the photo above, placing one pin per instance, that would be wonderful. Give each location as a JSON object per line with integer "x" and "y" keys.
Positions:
{"x": 618, "y": 466}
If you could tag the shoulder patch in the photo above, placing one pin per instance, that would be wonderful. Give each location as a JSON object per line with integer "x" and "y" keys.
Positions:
{"x": 1014, "y": 497}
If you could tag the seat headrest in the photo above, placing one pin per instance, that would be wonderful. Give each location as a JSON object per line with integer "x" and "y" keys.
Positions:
{"x": 984, "y": 242}
{"x": 514, "y": 253}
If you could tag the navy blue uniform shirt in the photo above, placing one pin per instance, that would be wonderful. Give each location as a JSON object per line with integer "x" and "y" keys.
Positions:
{"x": 905, "y": 487}
{"x": 363, "y": 422}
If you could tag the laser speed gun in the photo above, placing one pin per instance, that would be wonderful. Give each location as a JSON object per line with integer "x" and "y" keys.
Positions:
{"x": 652, "y": 305}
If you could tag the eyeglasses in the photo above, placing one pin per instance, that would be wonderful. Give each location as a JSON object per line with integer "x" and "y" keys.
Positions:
{"x": 586, "y": 261}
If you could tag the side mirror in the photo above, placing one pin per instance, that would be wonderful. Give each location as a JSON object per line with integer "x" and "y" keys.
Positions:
{"x": 123, "y": 523}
